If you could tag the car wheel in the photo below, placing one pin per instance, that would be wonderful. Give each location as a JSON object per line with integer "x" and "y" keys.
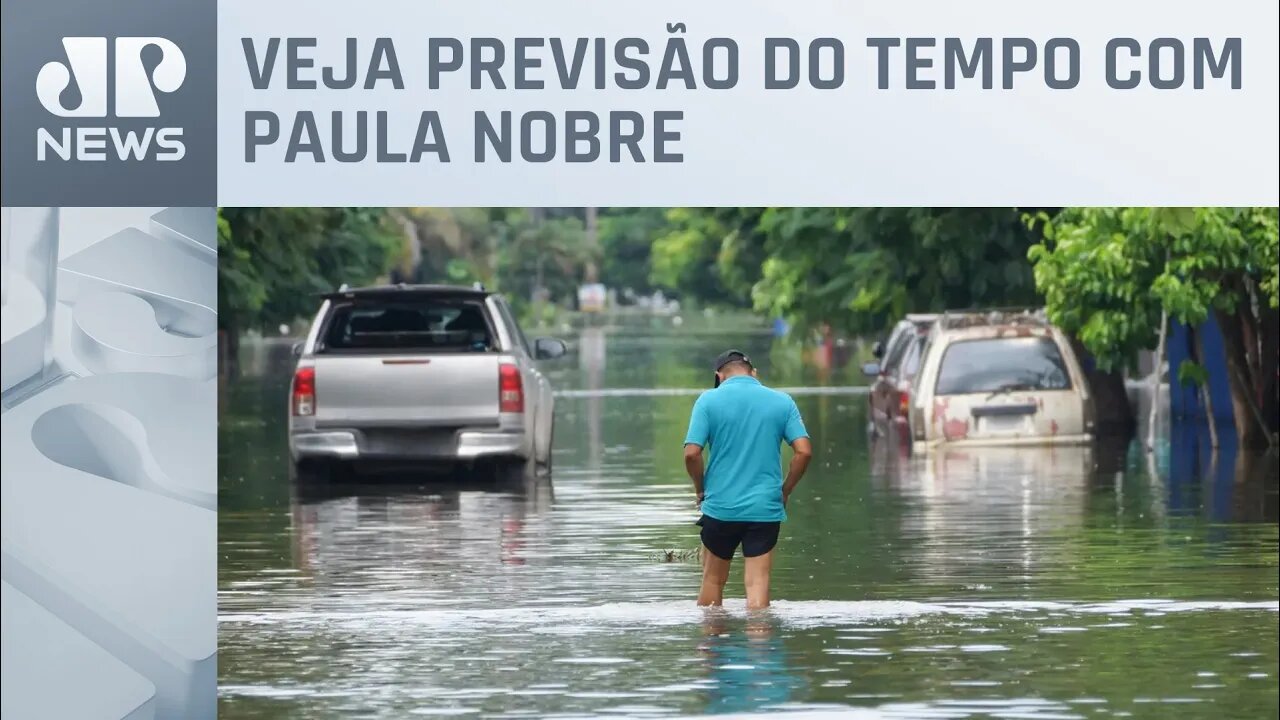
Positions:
{"x": 512, "y": 472}
{"x": 312, "y": 471}
{"x": 544, "y": 465}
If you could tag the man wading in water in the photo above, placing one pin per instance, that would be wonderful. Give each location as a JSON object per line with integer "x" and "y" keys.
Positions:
{"x": 743, "y": 499}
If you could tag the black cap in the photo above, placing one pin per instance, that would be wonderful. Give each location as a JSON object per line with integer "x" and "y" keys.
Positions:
{"x": 725, "y": 358}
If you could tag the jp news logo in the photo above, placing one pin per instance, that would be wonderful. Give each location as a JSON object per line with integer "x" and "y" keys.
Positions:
{"x": 140, "y": 74}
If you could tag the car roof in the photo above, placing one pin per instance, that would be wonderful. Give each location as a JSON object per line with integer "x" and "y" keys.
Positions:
{"x": 404, "y": 290}
{"x": 993, "y": 323}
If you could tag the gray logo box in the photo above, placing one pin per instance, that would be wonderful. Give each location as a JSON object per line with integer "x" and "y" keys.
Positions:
{"x": 32, "y": 32}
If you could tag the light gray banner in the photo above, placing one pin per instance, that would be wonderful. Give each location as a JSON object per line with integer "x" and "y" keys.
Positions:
{"x": 1198, "y": 126}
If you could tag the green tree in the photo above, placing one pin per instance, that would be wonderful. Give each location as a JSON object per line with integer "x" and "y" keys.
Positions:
{"x": 861, "y": 268}
{"x": 449, "y": 244}
{"x": 1108, "y": 274}
{"x": 683, "y": 257}
{"x": 626, "y": 237}
{"x": 854, "y": 268}
{"x": 539, "y": 257}
{"x": 273, "y": 261}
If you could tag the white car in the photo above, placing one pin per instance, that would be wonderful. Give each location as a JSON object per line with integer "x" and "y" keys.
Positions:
{"x": 999, "y": 378}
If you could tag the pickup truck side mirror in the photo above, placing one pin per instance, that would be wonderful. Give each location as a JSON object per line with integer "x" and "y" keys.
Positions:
{"x": 297, "y": 349}
{"x": 877, "y": 350}
{"x": 548, "y": 348}
{"x": 871, "y": 369}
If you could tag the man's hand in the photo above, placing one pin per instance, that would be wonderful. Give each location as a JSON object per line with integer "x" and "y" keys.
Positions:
{"x": 802, "y": 454}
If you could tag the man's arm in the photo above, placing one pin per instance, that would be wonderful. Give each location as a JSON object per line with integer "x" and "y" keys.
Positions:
{"x": 800, "y": 457}
{"x": 698, "y": 436}
{"x": 798, "y": 438}
{"x": 693, "y": 465}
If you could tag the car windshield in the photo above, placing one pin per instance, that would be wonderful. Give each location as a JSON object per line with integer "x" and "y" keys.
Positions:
{"x": 1002, "y": 365}
{"x": 410, "y": 325}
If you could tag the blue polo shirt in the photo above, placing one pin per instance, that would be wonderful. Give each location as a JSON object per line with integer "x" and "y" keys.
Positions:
{"x": 742, "y": 424}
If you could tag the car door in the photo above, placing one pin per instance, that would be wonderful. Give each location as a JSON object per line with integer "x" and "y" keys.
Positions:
{"x": 882, "y": 388}
{"x": 538, "y": 388}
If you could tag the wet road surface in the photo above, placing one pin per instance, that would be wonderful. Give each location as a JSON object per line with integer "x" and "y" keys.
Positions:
{"x": 998, "y": 583}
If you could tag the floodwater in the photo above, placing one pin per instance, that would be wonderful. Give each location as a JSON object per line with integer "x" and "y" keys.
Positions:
{"x": 1068, "y": 583}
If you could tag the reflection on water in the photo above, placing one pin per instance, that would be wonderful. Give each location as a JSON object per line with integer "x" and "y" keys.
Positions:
{"x": 1039, "y": 583}
{"x": 746, "y": 663}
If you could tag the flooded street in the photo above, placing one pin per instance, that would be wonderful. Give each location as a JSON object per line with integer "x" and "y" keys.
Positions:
{"x": 1031, "y": 583}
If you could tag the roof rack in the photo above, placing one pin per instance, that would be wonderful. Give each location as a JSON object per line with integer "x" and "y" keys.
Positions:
{"x": 953, "y": 319}
{"x": 345, "y": 291}
{"x": 920, "y": 318}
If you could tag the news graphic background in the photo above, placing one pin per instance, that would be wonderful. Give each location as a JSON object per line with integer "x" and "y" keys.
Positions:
{"x": 126, "y": 122}
{"x": 1162, "y": 142}
{"x": 109, "y": 462}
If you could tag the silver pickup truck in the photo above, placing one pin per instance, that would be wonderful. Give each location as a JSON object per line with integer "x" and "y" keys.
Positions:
{"x": 421, "y": 373}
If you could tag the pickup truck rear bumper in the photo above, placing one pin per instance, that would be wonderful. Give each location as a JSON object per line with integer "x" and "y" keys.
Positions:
{"x": 465, "y": 444}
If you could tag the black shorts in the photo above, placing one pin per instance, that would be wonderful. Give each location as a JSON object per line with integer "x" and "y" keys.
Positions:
{"x": 722, "y": 537}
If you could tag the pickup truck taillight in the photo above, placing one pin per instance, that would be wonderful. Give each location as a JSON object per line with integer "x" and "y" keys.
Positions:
{"x": 904, "y": 403}
{"x": 304, "y": 392}
{"x": 510, "y": 389}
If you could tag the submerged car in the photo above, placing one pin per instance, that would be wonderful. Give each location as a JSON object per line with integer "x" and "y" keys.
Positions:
{"x": 999, "y": 378}
{"x": 421, "y": 373}
{"x": 898, "y": 360}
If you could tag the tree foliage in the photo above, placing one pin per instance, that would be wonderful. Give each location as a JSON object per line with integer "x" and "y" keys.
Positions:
{"x": 854, "y": 268}
{"x": 626, "y": 239}
{"x": 272, "y": 261}
{"x": 540, "y": 258}
{"x": 683, "y": 256}
{"x": 1108, "y": 274}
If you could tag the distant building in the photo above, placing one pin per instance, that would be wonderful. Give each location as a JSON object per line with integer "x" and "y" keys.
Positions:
{"x": 592, "y": 298}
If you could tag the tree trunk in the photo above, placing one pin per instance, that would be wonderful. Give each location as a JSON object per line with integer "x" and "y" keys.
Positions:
{"x": 1206, "y": 394}
{"x": 1269, "y": 367}
{"x": 1112, "y": 411}
{"x": 1153, "y": 421}
{"x": 229, "y": 357}
{"x": 592, "y": 271}
{"x": 538, "y": 292}
{"x": 1251, "y": 426}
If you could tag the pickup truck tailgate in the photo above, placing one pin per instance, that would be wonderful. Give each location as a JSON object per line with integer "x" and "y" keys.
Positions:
{"x": 444, "y": 390}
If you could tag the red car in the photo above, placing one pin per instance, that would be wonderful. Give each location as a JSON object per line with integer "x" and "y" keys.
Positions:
{"x": 898, "y": 360}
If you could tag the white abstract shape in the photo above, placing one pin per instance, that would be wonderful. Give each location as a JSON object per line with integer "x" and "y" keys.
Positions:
{"x": 119, "y": 332}
{"x": 193, "y": 226}
{"x": 88, "y": 65}
{"x": 111, "y": 443}
{"x": 130, "y": 568}
{"x": 43, "y": 657}
{"x": 135, "y": 96}
{"x": 179, "y": 282}
{"x": 31, "y": 251}
{"x": 21, "y": 333}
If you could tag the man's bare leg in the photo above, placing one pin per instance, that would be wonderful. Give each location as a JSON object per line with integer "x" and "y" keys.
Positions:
{"x": 756, "y": 577}
{"x": 715, "y": 573}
